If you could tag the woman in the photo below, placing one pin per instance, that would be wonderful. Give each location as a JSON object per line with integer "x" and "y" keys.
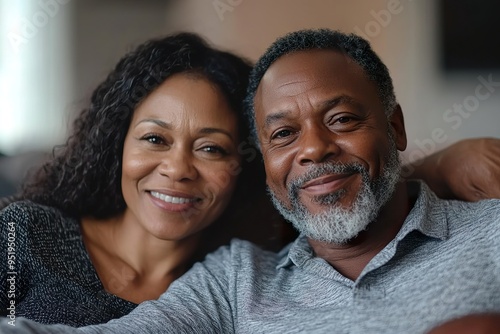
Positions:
{"x": 118, "y": 214}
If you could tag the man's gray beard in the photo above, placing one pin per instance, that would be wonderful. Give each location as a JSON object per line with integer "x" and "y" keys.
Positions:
{"x": 337, "y": 224}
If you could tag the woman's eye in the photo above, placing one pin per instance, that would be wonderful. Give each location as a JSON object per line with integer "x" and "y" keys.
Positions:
{"x": 214, "y": 150}
{"x": 153, "y": 139}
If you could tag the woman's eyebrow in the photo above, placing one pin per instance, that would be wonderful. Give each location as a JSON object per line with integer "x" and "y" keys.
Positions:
{"x": 158, "y": 122}
{"x": 215, "y": 130}
{"x": 168, "y": 126}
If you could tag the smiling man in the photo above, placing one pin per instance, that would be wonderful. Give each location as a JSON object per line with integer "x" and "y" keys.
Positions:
{"x": 330, "y": 149}
{"x": 376, "y": 254}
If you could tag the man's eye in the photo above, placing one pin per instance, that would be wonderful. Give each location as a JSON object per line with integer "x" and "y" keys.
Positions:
{"x": 281, "y": 134}
{"x": 344, "y": 119}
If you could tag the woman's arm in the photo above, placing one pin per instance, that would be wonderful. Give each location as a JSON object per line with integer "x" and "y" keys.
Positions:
{"x": 468, "y": 170}
{"x": 471, "y": 324}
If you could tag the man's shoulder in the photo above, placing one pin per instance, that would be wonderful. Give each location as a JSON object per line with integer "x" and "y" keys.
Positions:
{"x": 484, "y": 209}
{"x": 457, "y": 211}
{"x": 243, "y": 253}
{"x": 474, "y": 218}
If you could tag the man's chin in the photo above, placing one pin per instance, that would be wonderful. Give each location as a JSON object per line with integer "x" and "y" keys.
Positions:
{"x": 335, "y": 241}
{"x": 339, "y": 234}
{"x": 325, "y": 205}
{"x": 339, "y": 197}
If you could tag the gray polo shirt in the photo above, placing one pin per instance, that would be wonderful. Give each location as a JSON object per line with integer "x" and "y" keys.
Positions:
{"x": 443, "y": 263}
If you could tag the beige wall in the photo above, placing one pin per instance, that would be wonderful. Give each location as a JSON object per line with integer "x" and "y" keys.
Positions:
{"x": 97, "y": 33}
{"x": 406, "y": 40}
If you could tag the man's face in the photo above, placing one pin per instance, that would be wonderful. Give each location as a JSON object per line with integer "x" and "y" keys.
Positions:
{"x": 329, "y": 149}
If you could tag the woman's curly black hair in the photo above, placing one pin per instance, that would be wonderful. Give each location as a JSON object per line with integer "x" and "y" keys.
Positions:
{"x": 84, "y": 176}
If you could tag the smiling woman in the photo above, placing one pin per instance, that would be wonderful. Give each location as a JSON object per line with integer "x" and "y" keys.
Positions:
{"x": 156, "y": 173}
{"x": 174, "y": 151}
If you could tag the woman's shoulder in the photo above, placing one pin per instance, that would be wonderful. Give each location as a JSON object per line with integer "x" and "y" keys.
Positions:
{"x": 25, "y": 205}
{"x": 45, "y": 234}
{"x": 26, "y": 215}
{"x": 26, "y": 208}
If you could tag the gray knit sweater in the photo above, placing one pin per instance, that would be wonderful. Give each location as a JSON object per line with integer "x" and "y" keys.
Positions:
{"x": 45, "y": 271}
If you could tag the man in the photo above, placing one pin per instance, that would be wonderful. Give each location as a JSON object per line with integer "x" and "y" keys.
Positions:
{"x": 376, "y": 254}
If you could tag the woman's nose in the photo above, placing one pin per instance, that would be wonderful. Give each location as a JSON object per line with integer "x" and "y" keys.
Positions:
{"x": 178, "y": 164}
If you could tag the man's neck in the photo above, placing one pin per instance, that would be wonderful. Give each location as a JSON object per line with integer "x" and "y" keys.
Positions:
{"x": 350, "y": 259}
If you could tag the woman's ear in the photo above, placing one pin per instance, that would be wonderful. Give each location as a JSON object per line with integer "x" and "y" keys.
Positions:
{"x": 397, "y": 123}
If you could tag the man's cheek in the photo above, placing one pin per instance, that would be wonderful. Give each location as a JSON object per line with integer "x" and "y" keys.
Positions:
{"x": 279, "y": 191}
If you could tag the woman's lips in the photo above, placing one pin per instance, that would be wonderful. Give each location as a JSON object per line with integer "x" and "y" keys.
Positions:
{"x": 326, "y": 184}
{"x": 172, "y": 199}
{"x": 172, "y": 202}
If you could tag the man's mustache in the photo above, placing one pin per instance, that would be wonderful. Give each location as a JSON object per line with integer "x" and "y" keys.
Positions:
{"x": 323, "y": 169}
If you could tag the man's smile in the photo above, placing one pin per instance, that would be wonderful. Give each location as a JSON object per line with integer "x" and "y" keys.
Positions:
{"x": 326, "y": 184}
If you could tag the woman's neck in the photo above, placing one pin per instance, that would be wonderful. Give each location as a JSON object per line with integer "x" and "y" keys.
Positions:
{"x": 130, "y": 262}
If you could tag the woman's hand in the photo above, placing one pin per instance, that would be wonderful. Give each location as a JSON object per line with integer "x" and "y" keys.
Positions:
{"x": 471, "y": 324}
{"x": 468, "y": 170}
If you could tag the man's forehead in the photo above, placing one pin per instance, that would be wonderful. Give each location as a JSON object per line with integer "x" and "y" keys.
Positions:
{"x": 300, "y": 66}
{"x": 300, "y": 71}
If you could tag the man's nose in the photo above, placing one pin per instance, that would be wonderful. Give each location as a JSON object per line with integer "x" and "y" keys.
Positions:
{"x": 316, "y": 144}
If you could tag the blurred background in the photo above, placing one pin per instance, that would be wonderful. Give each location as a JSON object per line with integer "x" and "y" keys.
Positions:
{"x": 443, "y": 56}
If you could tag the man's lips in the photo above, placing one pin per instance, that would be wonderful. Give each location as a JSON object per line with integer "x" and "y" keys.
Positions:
{"x": 326, "y": 184}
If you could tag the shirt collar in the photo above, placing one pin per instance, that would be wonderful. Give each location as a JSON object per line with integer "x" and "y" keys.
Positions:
{"x": 427, "y": 216}
{"x": 296, "y": 253}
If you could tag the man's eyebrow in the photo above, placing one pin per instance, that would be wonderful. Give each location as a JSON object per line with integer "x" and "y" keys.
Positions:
{"x": 270, "y": 119}
{"x": 332, "y": 103}
{"x": 325, "y": 105}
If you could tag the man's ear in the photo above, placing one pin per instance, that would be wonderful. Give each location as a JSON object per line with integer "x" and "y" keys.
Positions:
{"x": 397, "y": 123}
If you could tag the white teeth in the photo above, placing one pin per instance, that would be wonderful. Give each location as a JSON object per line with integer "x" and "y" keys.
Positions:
{"x": 171, "y": 199}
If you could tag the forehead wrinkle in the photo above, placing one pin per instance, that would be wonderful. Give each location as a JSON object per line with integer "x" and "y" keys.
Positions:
{"x": 299, "y": 100}
{"x": 291, "y": 82}
{"x": 294, "y": 86}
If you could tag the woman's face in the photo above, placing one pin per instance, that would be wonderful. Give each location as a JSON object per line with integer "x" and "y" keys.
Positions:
{"x": 180, "y": 158}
